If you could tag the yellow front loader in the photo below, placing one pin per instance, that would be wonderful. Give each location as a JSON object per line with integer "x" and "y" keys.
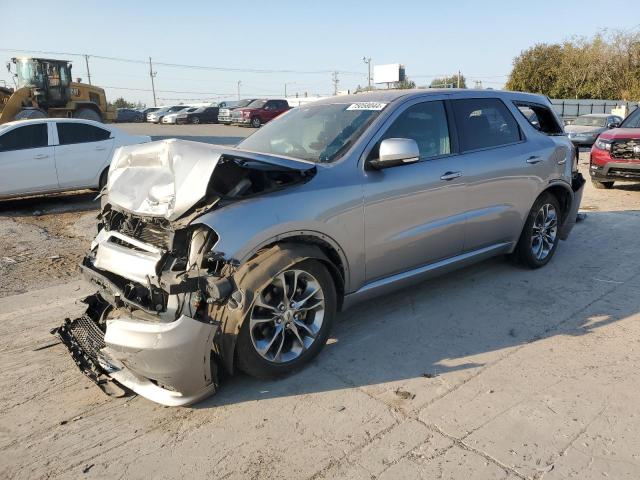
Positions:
{"x": 44, "y": 89}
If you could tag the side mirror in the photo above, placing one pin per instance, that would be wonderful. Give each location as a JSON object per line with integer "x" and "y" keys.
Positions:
{"x": 396, "y": 151}
{"x": 613, "y": 125}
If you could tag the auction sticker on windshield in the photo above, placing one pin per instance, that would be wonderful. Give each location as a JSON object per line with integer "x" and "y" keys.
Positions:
{"x": 367, "y": 106}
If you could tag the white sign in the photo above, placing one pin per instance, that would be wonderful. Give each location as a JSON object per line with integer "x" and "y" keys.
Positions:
{"x": 367, "y": 106}
{"x": 386, "y": 73}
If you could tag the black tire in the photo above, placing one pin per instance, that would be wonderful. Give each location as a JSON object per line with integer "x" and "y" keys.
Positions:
{"x": 195, "y": 120}
{"x": 252, "y": 363}
{"x": 602, "y": 185}
{"x": 103, "y": 179}
{"x": 524, "y": 251}
{"x": 255, "y": 122}
{"x": 30, "y": 113}
{"x": 87, "y": 114}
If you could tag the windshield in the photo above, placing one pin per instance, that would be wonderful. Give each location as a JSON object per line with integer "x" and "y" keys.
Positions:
{"x": 633, "y": 120}
{"x": 243, "y": 103}
{"x": 318, "y": 133}
{"x": 257, "y": 104}
{"x": 591, "y": 121}
{"x": 29, "y": 74}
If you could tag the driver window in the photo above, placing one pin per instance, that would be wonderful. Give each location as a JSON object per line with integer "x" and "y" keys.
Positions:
{"x": 426, "y": 123}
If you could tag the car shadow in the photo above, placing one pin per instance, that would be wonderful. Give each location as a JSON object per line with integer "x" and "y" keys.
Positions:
{"x": 455, "y": 324}
{"x": 80, "y": 201}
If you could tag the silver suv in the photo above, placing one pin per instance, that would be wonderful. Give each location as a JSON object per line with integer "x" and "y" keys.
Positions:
{"x": 208, "y": 256}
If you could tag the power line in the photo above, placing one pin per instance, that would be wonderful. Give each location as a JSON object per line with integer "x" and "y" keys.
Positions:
{"x": 181, "y": 65}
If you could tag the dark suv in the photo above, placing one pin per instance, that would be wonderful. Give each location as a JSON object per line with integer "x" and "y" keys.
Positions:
{"x": 616, "y": 153}
{"x": 259, "y": 112}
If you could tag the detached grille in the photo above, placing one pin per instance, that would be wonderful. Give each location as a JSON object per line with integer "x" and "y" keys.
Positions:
{"x": 88, "y": 336}
{"x": 624, "y": 149}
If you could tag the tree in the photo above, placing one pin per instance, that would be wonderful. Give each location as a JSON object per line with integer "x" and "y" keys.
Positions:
{"x": 605, "y": 66}
{"x": 404, "y": 84}
{"x": 449, "y": 82}
{"x": 120, "y": 102}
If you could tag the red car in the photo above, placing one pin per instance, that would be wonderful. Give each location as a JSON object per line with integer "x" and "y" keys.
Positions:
{"x": 259, "y": 112}
{"x": 616, "y": 153}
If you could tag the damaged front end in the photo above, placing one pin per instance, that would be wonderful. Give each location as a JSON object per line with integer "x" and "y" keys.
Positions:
{"x": 153, "y": 326}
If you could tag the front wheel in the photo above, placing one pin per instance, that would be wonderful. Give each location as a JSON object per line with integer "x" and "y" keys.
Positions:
{"x": 195, "y": 120}
{"x": 539, "y": 238}
{"x": 255, "y": 122}
{"x": 289, "y": 321}
{"x": 602, "y": 185}
{"x": 87, "y": 114}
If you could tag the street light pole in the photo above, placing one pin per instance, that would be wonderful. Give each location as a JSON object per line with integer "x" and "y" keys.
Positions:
{"x": 86, "y": 61}
{"x": 285, "y": 87}
{"x": 239, "y": 82}
{"x": 152, "y": 74}
{"x": 368, "y": 62}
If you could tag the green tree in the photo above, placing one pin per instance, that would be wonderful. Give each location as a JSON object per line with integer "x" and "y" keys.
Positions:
{"x": 120, "y": 102}
{"x": 404, "y": 84}
{"x": 449, "y": 82}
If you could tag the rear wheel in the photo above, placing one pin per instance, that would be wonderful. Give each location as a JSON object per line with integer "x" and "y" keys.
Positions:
{"x": 255, "y": 122}
{"x": 539, "y": 238}
{"x": 289, "y": 321}
{"x": 195, "y": 120}
{"x": 602, "y": 185}
{"x": 87, "y": 114}
{"x": 30, "y": 113}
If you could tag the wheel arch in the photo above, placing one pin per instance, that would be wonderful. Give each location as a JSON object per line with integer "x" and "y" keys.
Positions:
{"x": 563, "y": 193}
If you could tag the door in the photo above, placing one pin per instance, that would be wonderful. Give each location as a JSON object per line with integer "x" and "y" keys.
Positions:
{"x": 503, "y": 170}
{"x": 26, "y": 160}
{"x": 414, "y": 213}
{"x": 83, "y": 151}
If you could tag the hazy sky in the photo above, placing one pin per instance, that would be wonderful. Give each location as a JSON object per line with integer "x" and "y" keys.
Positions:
{"x": 480, "y": 38}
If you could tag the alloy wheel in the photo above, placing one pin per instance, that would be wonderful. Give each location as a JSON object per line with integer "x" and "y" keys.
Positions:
{"x": 545, "y": 229}
{"x": 287, "y": 316}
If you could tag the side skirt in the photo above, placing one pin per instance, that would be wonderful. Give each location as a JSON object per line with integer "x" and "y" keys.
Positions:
{"x": 403, "y": 279}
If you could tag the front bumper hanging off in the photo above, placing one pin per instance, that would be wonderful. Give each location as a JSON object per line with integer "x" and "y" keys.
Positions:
{"x": 169, "y": 363}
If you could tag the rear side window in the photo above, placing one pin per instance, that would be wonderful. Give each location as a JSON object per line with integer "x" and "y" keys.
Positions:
{"x": 70, "y": 133}
{"x": 484, "y": 123}
{"x": 540, "y": 117}
{"x": 29, "y": 136}
{"x": 426, "y": 123}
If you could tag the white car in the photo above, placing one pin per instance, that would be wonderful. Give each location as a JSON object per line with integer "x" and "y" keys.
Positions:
{"x": 173, "y": 117}
{"x": 57, "y": 154}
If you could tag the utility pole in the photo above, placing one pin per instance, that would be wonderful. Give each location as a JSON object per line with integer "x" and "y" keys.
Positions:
{"x": 152, "y": 74}
{"x": 285, "y": 87}
{"x": 86, "y": 61}
{"x": 458, "y": 78}
{"x": 239, "y": 83}
{"x": 336, "y": 81}
{"x": 368, "y": 62}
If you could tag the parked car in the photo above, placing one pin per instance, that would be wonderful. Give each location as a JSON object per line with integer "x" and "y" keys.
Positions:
{"x": 129, "y": 115}
{"x": 616, "y": 153}
{"x": 172, "y": 117}
{"x": 57, "y": 154}
{"x": 584, "y": 130}
{"x": 224, "y": 115}
{"x": 156, "y": 117}
{"x": 259, "y": 112}
{"x": 200, "y": 115}
{"x": 148, "y": 110}
{"x": 221, "y": 258}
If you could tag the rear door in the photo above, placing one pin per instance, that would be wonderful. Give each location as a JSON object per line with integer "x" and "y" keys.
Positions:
{"x": 415, "y": 213}
{"x": 82, "y": 153}
{"x": 27, "y": 160}
{"x": 503, "y": 169}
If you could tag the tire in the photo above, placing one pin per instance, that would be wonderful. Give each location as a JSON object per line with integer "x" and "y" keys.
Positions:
{"x": 30, "y": 113}
{"x": 252, "y": 333}
{"x": 87, "y": 114}
{"x": 255, "y": 122}
{"x": 536, "y": 249}
{"x": 103, "y": 179}
{"x": 602, "y": 185}
{"x": 195, "y": 120}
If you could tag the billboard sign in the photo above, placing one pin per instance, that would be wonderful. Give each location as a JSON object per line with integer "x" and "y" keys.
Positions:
{"x": 393, "y": 72}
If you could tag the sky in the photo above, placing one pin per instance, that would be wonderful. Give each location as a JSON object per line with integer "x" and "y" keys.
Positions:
{"x": 298, "y": 43}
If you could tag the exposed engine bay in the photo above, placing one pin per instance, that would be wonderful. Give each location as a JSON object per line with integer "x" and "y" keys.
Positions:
{"x": 154, "y": 323}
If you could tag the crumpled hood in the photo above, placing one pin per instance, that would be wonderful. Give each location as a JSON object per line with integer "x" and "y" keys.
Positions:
{"x": 161, "y": 179}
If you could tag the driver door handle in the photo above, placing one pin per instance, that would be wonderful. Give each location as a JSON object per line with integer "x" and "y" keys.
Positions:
{"x": 450, "y": 176}
{"x": 101, "y": 148}
{"x": 534, "y": 159}
{"x": 40, "y": 156}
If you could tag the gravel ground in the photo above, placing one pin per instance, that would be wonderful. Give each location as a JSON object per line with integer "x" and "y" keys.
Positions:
{"x": 492, "y": 372}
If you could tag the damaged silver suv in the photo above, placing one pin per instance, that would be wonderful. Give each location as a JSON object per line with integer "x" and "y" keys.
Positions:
{"x": 210, "y": 258}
